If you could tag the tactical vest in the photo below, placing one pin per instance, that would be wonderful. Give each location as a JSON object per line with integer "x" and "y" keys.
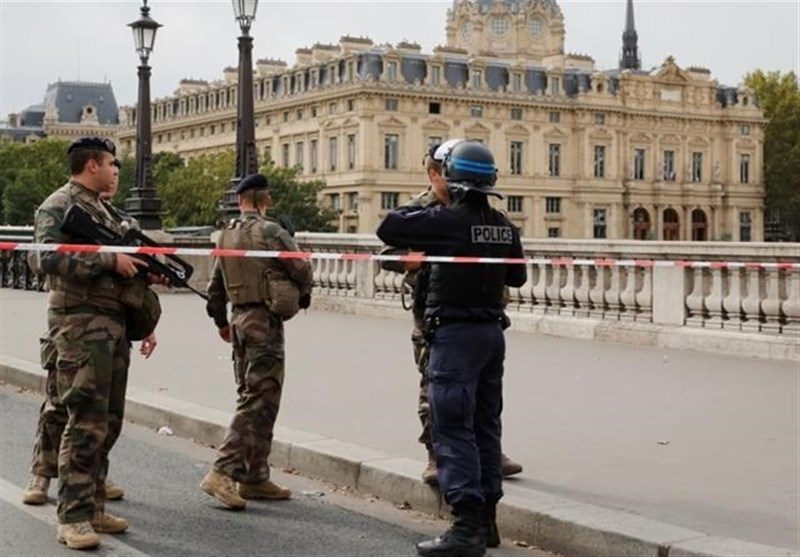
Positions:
{"x": 257, "y": 280}
{"x": 487, "y": 233}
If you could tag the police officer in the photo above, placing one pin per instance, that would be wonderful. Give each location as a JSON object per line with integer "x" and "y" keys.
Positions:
{"x": 464, "y": 321}
{"x": 263, "y": 294}
{"x": 86, "y": 319}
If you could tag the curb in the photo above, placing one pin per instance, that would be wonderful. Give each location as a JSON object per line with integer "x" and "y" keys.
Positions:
{"x": 552, "y": 523}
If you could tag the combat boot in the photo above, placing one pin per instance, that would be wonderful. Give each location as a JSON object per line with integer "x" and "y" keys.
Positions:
{"x": 264, "y": 490}
{"x": 36, "y": 491}
{"x": 78, "y": 535}
{"x": 114, "y": 492}
{"x": 430, "y": 475}
{"x": 465, "y": 538}
{"x": 490, "y": 525}
{"x": 108, "y": 523}
{"x": 509, "y": 467}
{"x": 223, "y": 489}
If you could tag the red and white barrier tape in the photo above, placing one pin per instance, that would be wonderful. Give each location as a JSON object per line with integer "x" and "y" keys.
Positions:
{"x": 555, "y": 261}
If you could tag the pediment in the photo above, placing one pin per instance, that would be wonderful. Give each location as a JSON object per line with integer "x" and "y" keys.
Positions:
{"x": 477, "y": 128}
{"x": 392, "y": 122}
{"x": 670, "y": 72}
{"x": 436, "y": 124}
{"x": 698, "y": 142}
{"x": 349, "y": 122}
{"x": 556, "y": 133}
{"x": 601, "y": 134}
{"x": 670, "y": 140}
{"x": 518, "y": 129}
{"x": 640, "y": 138}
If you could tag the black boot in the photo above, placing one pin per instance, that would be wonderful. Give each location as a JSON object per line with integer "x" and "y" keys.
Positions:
{"x": 490, "y": 525}
{"x": 465, "y": 538}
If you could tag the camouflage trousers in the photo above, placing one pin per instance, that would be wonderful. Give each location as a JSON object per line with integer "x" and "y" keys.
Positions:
{"x": 257, "y": 338}
{"x": 422, "y": 352}
{"x": 88, "y": 404}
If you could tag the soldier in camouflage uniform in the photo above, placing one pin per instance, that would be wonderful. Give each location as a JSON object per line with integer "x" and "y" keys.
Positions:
{"x": 263, "y": 294}
{"x": 86, "y": 321}
{"x": 53, "y": 414}
{"x": 416, "y": 277}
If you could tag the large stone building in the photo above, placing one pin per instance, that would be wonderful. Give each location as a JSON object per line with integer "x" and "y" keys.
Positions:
{"x": 666, "y": 154}
{"x": 70, "y": 109}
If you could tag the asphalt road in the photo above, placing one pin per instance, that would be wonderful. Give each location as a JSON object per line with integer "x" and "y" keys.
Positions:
{"x": 170, "y": 515}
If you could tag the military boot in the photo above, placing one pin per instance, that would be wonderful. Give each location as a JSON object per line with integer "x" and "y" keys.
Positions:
{"x": 36, "y": 490}
{"x": 465, "y": 538}
{"x": 114, "y": 492}
{"x": 223, "y": 489}
{"x": 78, "y": 535}
{"x": 490, "y": 525}
{"x": 108, "y": 523}
{"x": 264, "y": 490}
{"x": 430, "y": 475}
{"x": 509, "y": 467}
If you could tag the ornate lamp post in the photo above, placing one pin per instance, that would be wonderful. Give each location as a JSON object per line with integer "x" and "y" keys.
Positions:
{"x": 144, "y": 204}
{"x": 246, "y": 155}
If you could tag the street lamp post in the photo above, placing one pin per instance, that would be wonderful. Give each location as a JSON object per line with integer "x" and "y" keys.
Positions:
{"x": 246, "y": 155}
{"x": 144, "y": 204}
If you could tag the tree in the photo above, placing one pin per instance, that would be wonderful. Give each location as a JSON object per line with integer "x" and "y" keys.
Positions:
{"x": 779, "y": 97}
{"x": 297, "y": 200}
{"x": 191, "y": 193}
{"x": 29, "y": 172}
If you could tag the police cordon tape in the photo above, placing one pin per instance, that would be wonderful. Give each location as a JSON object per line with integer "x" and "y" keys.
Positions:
{"x": 410, "y": 258}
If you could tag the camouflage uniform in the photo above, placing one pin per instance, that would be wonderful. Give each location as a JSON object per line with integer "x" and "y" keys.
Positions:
{"x": 258, "y": 341}
{"x": 86, "y": 320}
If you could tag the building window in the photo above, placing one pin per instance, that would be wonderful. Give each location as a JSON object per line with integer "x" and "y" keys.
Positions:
{"x": 333, "y": 152}
{"x": 745, "y": 226}
{"x": 351, "y": 151}
{"x": 351, "y": 105}
{"x": 599, "y": 161}
{"x": 516, "y": 114}
{"x": 267, "y": 120}
{"x": 434, "y": 140}
{"x": 285, "y": 154}
{"x": 697, "y": 167}
{"x": 476, "y": 111}
{"x": 268, "y": 153}
{"x": 391, "y": 71}
{"x": 669, "y": 166}
{"x": 638, "y": 164}
{"x": 389, "y": 201}
{"x": 332, "y": 108}
{"x": 313, "y": 113}
{"x": 745, "y": 129}
{"x": 554, "y": 160}
{"x": 336, "y": 202}
{"x": 352, "y": 201}
{"x": 391, "y": 105}
{"x": 298, "y": 156}
{"x": 555, "y": 117}
{"x": 555, "y": 86}
{"x": 516, "y": 83}
{"x": 554, "y": 232}
{"x": 516, "y": 158}
{"x": 744, "y": 169}
{"x": 599, "y": 223}
{"x": 434, "y": 108}
{"x": 477, "y": 79}
{"x": 391, "y": 143}
{"x": 313, "y": 156}
{"x": 599, "y": 119}
{"x": 552, "y": 205}
{"x": 286, "y": 116}
{"x": 436, "y": 75}
{"x": 299, "y": 115}
{"x": 514, "y": 203}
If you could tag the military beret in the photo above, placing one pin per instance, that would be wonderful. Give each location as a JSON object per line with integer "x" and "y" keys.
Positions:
{"x": 94, "y": 143}
{"x": 252, "y": 182}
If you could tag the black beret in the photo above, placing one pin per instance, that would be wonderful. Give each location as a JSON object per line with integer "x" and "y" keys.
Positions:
{"x": 94, "y": 143}
{"x": 252, "y": 182}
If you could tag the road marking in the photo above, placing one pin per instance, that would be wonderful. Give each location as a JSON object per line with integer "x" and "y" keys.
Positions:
{"x": 12, "y": 495}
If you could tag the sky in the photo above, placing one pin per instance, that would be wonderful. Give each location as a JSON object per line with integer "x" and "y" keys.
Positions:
{"x": 44, "y": 41}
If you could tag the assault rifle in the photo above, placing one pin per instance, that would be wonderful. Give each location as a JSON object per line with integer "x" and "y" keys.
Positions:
{"x": 79, "y": 224}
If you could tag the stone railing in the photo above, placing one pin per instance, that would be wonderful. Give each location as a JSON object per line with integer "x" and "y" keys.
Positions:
{"x": 570, "y": 278}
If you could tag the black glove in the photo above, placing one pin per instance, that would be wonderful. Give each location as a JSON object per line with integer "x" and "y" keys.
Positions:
{"x": 305, "y": 301}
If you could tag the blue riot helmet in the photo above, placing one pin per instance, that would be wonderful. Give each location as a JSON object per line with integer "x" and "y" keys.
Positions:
{"x": 470, "y": 166}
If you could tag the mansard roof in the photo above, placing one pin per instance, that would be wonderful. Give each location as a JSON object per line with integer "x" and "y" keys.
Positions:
{"x": 70, "y": 97}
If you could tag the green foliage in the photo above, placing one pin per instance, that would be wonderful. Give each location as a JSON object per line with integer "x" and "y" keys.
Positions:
{"x": 297, "y": 200}
{"x": 779, "y": 97}
{"x": 191, "y": 193}
{"x": 28, "y": 174}
{"x": 126, "y": 177}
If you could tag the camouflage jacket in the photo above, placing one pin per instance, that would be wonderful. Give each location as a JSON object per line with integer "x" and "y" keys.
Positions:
{"x": 76, "y": 279}
{"x": 274, "y": 237}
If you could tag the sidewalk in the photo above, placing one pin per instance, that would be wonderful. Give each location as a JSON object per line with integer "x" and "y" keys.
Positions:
{"x": 627, "y": 451}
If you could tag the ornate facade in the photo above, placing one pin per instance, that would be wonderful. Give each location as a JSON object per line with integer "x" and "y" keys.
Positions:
{"x": 666, "y": 154}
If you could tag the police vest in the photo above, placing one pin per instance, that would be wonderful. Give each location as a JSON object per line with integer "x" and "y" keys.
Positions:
{"x": 486, "y": 233}
{"x": 257, "y": 280}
